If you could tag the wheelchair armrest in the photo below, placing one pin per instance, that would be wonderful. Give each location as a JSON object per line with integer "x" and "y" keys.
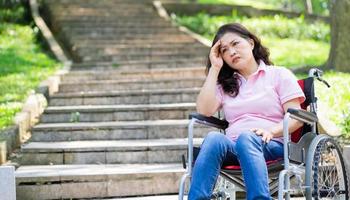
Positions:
{"x": 303, "y": 115}
{"x": 210, "y": 121}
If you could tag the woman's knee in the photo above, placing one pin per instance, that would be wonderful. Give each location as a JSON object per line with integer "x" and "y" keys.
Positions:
{"x": 246, "y": 140}
{"x": 213, "y": 139}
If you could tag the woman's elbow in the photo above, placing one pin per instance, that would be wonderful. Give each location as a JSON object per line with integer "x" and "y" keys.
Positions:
{"x": 204, "y": 111}
{"x": 298, "y": 124}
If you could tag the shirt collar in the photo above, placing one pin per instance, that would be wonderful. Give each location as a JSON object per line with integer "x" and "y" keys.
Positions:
{"x": 261, "y": 67}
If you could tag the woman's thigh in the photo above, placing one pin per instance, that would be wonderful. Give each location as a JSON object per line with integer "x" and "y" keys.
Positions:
{"x": 273, "y": 150}
{"x": 221, "y": 144}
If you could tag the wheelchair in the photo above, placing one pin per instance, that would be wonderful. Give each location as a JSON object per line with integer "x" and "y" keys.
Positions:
{"x": 312, "y": 166}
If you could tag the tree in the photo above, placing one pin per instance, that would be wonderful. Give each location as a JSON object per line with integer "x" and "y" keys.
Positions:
{"x": 339, "y": 56}
{"x": 308, "y": 6}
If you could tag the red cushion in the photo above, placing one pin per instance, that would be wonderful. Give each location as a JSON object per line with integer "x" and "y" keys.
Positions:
{"x": 238, "y": 167}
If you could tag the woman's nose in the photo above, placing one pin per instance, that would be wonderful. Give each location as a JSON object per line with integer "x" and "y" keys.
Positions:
{"x": 233, "y": 51}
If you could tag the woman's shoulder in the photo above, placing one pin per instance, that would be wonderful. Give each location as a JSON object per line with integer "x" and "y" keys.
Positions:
{"x": 278, "y": 70}
{"x": 279, "y": 73}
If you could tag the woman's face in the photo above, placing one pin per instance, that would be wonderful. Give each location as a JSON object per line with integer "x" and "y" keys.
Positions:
{"x": 236, "y": 51}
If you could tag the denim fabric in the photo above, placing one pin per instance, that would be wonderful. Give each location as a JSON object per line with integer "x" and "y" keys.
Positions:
{"x": 251, "y": 152}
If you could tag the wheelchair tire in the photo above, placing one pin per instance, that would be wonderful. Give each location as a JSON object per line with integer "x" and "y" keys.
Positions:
{"x": 326, "y": 170}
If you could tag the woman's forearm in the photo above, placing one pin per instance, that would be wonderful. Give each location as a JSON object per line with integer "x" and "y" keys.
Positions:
{"x": 293, "y": 125}
{"x": 207, "y": 104}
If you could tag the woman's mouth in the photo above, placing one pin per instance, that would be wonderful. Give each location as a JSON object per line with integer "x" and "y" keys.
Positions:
{"x": 235, "y": 59}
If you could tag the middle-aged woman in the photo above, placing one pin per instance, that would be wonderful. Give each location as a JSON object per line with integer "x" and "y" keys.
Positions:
{"x": 254, "y": 96}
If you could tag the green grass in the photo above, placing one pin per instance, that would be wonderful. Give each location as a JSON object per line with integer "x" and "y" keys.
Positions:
{"x": 290, "y": 52}
{"x": 23, "y": 65}
{"x": 336, "y": 98}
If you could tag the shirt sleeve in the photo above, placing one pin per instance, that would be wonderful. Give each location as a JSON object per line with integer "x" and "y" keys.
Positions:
{"x": 288, "y": 87}
{"x": 219, "y": 93}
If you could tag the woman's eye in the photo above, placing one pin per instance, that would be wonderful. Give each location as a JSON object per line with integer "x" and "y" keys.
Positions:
{"x": 223, "y": 50}
{"x": 235, "y": 43}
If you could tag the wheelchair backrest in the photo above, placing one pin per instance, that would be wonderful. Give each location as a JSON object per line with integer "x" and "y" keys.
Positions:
{"x": 307, "y": 85}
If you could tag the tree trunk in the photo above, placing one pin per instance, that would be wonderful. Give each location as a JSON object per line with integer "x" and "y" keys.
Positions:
{"x": 339, "y": 56}
{"x": 308, "y": 6}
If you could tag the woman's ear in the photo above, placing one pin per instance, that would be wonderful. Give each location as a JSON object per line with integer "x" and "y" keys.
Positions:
{"x": 251, "y": 42}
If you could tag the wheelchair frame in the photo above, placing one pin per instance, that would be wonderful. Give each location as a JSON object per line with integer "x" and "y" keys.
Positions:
{"x": 309, "y": 142}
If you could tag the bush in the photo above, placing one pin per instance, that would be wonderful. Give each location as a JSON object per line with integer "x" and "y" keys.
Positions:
{"x": 269, "y": 26}
{"x": 320, "y": 7}
{"x": 14, "y": 11}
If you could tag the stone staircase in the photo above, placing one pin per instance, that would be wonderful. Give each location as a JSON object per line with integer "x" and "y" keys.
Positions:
{"x": 118, "y": 125}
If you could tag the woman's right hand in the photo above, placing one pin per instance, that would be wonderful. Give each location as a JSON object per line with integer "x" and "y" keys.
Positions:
{"x": 215, "y": 56}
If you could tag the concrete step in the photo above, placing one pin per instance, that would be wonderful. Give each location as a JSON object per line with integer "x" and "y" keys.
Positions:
{"x": 105, "y": 113}
{"x": 133, "y": 38}
{"x": 112, "y": 27}
{"x": 140, "y": 57}
{"x": 130, "y": 43}
{"x": 140, "y": 65}
{"x": 125, "y": 97}
{"x": 73, "y": 25}
{"x": 111, "y": 85}
{"x": 150, "y": 47}
{"x": 120, "y": 10}
{"x": 154, "y": 197}
{"x": 111, "y": 23}
{"x": 126, "y": 130}
{"x": 119, "y": 30}
{"x": 96, "y": 181}
{"x": 143, "y": 51}
{"x": 148, "y": 151}
{"x": 116, "y": 34}
{"x": 78, "y": 76}
{"x": 103, "y": 13}
{"x": 107, "y": 15}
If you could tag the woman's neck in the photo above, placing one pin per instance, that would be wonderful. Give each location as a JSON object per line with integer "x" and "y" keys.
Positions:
{"x": 252, "y": 67}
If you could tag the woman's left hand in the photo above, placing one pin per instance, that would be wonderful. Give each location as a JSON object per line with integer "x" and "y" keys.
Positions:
{"x": 266, "y": 135}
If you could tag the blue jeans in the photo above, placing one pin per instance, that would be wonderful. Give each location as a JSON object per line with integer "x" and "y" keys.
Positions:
{"x": 249, "y": 150}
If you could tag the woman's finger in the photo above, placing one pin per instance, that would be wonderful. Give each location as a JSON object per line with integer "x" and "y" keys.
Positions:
{"x": 253, "y": 129}
{"x": 216, "y": 48}
{"x": 268, "y": 139}
{"x": 261, "y": 132}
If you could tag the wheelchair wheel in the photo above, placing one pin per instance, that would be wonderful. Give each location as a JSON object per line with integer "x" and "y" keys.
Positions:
{"x": 328, "y": 178}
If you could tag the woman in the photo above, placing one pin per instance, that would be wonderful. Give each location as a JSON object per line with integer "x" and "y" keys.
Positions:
{"x": 254, "y": 97}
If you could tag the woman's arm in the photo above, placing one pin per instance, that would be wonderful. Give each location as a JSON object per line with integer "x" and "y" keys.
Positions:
{"x": 207, "y": 104}
{"x": 277, "y": 131}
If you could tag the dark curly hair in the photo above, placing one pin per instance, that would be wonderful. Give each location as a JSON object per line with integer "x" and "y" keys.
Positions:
{"x": 227, "y": 77}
